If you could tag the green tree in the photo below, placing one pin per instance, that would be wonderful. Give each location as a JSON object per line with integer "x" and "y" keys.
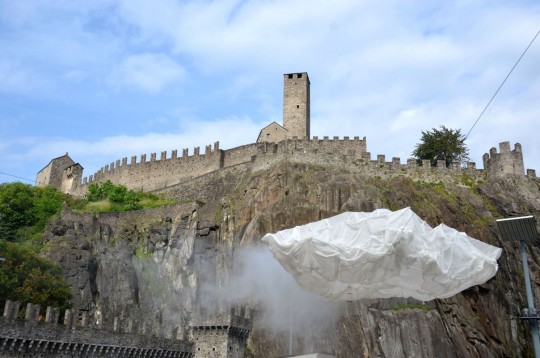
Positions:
{"x": 16, "y": 209}
{"x": 47, "y": 203}
{"x": 99, "y": 191}
{"x": 24, "y": 209}
{"x": 27, "y": 277}
{"x": 444, "y": 144}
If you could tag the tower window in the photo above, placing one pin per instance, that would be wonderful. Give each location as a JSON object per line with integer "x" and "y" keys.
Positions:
{"x": 290, "y": 75}
{"x": 297, "y": 106}
{"x": 299, "y": 75}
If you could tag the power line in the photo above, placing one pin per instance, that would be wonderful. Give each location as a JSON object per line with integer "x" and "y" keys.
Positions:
{"x": 498, "y": 89}
{"x": 11, "y": 175}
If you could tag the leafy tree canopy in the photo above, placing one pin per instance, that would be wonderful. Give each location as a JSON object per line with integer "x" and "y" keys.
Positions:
{"x": 24, "y": 275}
{"x": 442, "y": 144}
{"x": 27, "y": 277}
{"x": 25, "y": 209}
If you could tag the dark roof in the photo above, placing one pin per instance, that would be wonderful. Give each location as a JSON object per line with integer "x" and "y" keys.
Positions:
{"x": 52, "y": 160}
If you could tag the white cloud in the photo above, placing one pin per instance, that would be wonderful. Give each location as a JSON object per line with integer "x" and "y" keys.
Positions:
{"x": 16, "y": 78}
{"x": 147, "y": 72}
{"x": 382, "y": 69}
{"x": 92, "y": 155}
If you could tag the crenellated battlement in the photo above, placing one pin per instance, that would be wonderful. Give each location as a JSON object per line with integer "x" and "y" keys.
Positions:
{"x": 78, "y": 335}
{"x": 170, "y": 170}
{"x": 223, "y": 333}
{"x": 239, "y": 317}
{"x": 154, "y": 174}
{"x": 506, "y": 161}
{"x": 122, "y": 164}
{"x": 275, "y": 143}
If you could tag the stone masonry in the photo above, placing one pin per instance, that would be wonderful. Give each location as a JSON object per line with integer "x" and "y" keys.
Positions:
{"x": 296, "y": 111}
{"x": 505, "y": 162}
{"x": 275, "y": 143}
{"x": 296, "y": 105}
{"x": 59, "y": 172}
{"x": 78, "y": 336}
{"x": 221, "y": 335}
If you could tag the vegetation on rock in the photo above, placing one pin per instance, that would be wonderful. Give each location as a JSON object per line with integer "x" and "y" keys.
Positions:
{"x": 26, "y": 276}
{"x": 107, "y": 197}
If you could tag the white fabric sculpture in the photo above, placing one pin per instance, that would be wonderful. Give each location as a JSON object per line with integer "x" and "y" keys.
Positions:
{"x": 382, "y": 254}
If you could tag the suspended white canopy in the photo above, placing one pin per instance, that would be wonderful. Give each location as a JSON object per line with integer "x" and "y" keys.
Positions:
{"x": 382, "y": 254}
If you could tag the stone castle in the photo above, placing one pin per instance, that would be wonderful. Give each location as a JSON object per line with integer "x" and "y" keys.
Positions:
{"x": 275, "y": 143}
{"x": 222, "y": 334}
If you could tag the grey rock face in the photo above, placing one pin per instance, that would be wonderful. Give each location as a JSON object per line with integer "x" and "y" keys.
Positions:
{"x": 152, "y": 265}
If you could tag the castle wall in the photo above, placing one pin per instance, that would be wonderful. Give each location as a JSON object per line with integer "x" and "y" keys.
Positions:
{"x": 78, "y": 336}
{"x": 351, "y": 155}
{"x": 238, "y": 155}
{"x": 316, "y": 151}
{"x": 153, "y": 174}
{"x": 158, "y": 175}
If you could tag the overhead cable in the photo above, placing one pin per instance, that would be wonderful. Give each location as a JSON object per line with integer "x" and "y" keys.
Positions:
{"x": 11, "y": 175}
{"x": 498, "y": 89}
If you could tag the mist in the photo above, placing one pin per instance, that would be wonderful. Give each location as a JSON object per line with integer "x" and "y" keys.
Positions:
{"x": 282, "y": 305}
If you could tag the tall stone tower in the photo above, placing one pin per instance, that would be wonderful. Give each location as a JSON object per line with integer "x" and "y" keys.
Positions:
{"x": 296, "y": 104}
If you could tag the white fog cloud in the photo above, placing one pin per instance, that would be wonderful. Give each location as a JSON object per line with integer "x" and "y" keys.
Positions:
{"x": 147, "y": 72}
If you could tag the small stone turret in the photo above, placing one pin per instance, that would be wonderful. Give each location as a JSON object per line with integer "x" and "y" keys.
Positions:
{"x": 505, "y": 162}
{"x": 223, "y": 334}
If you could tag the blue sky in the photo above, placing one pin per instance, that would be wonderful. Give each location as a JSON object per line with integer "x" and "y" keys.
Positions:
{"x": 104, "y": 79}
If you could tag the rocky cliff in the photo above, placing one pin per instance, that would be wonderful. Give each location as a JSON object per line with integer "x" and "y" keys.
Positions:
{"x": 157, "y": 266}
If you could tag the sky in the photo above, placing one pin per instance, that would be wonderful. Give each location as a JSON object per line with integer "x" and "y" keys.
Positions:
{"x": 104, "y": 79}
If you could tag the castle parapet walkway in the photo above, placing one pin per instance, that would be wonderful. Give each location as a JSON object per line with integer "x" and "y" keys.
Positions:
{"x": 77, "y": 336}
